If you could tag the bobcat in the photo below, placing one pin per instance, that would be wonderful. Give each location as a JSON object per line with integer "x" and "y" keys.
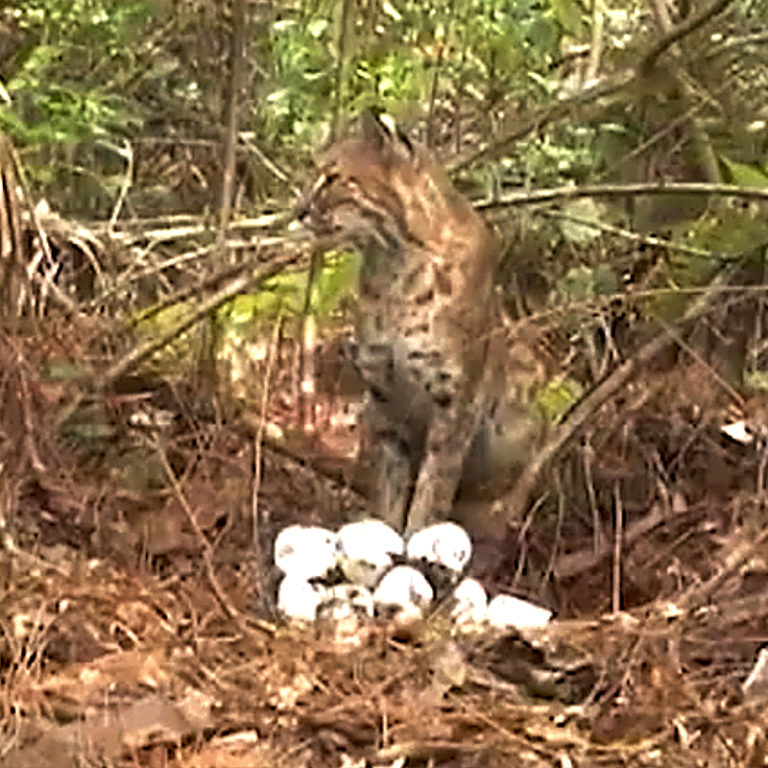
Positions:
{"x": 429, "y": 346}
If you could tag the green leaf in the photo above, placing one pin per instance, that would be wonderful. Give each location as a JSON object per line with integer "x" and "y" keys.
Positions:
{"x": 570, "y": 16}
{"x": 555, "y": 398}
{"x": 583, "y": 282}
{"x": 745, "y": 175}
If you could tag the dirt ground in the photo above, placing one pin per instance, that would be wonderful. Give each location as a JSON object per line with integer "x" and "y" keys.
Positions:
{"x": 135, "y": 625}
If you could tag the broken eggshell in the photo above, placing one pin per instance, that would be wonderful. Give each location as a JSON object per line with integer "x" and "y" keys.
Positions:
{"x": 403, "y": 593}
{"x": 507, "y": 612}
{"x": 344, "y": 600}
{"x": 470, "y": 603}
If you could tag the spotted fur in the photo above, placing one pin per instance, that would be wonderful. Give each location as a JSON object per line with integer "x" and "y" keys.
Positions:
{"x": 426, "y": 320}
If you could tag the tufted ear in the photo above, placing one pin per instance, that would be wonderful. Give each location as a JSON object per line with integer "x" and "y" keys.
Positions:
{"x": 378, "y": 134}
{"x": 375, "y": 133}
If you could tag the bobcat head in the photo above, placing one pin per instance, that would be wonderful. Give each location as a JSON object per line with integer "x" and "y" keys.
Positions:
{"x": 379, "y": 186}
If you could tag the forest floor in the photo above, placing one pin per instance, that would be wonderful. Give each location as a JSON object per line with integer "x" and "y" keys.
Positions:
{"x": 134, "y": 629}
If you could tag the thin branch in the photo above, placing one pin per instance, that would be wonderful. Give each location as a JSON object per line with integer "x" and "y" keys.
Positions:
{"x": 127, "y": 153}
{"x": 138, "y": 354}
{"x": 626, "y": 234}
{"x": 338, "y": 84}
{"x": 617, "y": 190}
{"x": 687, "y": 93}
{"x": 680, "y": 31}
{"x": 540, "y": 118}
{"x": 207, "y": 551}
{"x": 596, "y": 41}
{"x": 237, "y": 57}
{"x": 261, "y": 558}
{"x": 515, "y": 502}
{"x": 609, "y": 87}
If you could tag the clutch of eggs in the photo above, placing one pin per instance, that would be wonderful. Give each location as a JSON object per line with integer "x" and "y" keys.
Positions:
{"x": 366, "y": 569}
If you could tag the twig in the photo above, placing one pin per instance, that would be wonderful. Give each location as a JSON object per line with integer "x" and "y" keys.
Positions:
{"x": 338, "y": 75}
{"x": 563, "y": 108}
{"x": 596, "y": 41}
{"x": 608, "y": 87}
{"x": 237, "y": 58}
{"x": 259, "y": 556}
{"x": 618, "y": 540}
{"x": 680, "y": 31}
{"x": 626, "y": 234}
{"x": 686, "y": 91}
{"x": 207, "y": 551}
{"x": 617, "y": 190}
{"x": 307, "y": 399}
{"x": 516, "y": 500}
{"x": 138, "y": 354}
{"x": 127, "y": 153}
{"x": 734, "y": 559}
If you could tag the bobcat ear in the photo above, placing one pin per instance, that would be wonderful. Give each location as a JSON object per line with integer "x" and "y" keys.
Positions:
{"x": 373, "y": 129}
{"x": 380, "y": 132}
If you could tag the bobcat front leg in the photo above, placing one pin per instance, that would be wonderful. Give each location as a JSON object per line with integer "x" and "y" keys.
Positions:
{"x": 388, "y": 465}
{"x": 448, "y": 441}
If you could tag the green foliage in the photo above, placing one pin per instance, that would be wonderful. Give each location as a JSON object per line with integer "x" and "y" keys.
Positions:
{"x": 285, "y": 295}
{"x": 181, "y": 353}
{"x": 582, "y": 283}
{"x": 482, "y": 50}
{"x": 746, "y": 175}
{"x": 63, "y": 88}
{"x": 556, "y": 397}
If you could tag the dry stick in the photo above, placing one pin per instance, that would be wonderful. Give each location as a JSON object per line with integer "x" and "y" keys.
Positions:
{"x": 596, "y": 41}
{"x": 618, "y": 536}
{"x": 268, "y": 163}
{"x": 207, "y": 552}
{"x": 701, "y": 141}
{"x": 561, "y": 109}
{"x": 37, "y": 464}
{"x": 127, "y": 152}
{"x": 677, "y": 33}
{"x": 625, "y": 234}
{"x": 517, "y": 499}
{"x": 138, "y": 354}
{"x": 260, "y": 559}
{"x": 236, "y": 75}
{"x": 338, "y": 75}
{"x": 123, "y": 281}
{"x": 32, "y": 274}
{"x": 734, "y": 559}
{"x": 307, "y": 396}
{"x": 11, "y": 251}
{"x": 183, "y": 294}
{"x": 620, "y": 190}
{"x": 437, "y": 68}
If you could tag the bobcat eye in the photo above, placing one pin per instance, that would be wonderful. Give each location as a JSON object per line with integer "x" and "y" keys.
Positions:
{"x": 323, "y": 182}
{"x": 328, "y": 179}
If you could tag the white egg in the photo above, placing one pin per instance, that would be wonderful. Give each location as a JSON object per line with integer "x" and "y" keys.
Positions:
{"x": 305, "y": 551}
{"x": 298, "y": 599}
{"x": 404, "y": 592}
{"x": 365, "y": 550}
{"x": 507, "y": 612}
{"x": 471, "y": 603}
{"x": 445, "y": 543}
